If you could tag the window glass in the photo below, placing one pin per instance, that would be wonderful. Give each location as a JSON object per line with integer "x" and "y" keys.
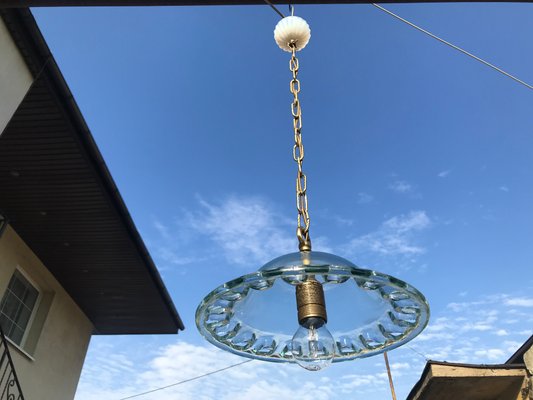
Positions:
{"x": 17, "y": 307}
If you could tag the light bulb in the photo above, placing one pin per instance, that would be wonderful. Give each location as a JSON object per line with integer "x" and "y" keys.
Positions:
{"x": 313, "y": 346}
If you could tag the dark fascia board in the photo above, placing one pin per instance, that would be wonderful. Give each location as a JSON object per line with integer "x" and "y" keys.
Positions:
{"x": 86, "y": 3}
{"x": 39, "y": 59}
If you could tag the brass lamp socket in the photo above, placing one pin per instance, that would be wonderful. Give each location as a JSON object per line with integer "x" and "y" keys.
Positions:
{"x": 310, "y": 301}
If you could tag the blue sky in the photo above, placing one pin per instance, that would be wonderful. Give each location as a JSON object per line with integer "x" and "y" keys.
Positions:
{"x": 418, "y": 161}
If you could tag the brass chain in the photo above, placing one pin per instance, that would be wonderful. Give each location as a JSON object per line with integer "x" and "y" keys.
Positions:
{"x": 302, "y": 232}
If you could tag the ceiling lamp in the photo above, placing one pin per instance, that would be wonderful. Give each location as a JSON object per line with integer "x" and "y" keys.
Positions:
{"x": 279, "y": 313}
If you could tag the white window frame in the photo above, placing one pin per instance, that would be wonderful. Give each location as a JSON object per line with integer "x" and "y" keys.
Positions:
{"x": 33, "y": 311}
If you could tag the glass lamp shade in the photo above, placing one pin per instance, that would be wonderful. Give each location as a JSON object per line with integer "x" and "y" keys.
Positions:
{"x": 255, "y": 315}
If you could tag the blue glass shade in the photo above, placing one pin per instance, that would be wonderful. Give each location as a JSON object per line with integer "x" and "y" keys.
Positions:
{"x": 255, "y": 315}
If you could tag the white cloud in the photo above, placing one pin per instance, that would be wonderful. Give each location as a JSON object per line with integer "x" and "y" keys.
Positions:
{"x": 364, "y": 198}
{"x": 401, "y": 187}
{"x": 170, "y": 247}
{"x": 321, "y": 243}
{"x": 353, "y": 381}
{"x": 338, "y": 219}
{"x": 394, "y": 236}
{"x": 519, "y": 301}
{"x": 399, "y": 365}
{"x": 414, "y": 221}
{"x": 465, "y": 305}
{"x": 480, "y": 326}
{"x": 510, "y": 346}
{"x": 472, "y": 331}
{"x": 267, "y": 390}
{"x": 444, "y": 174}
{"x": 491, "y": 354}
{"x": 247, "y": 229}
{"x": 504, "y": 188}
{"x": 162, "y": 229}
{"x": 180, "y": 362}
{"x": 171, "y": 364}
{"x": 429, "y": 336}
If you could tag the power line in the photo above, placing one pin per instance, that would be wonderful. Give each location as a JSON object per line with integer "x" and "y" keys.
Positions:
{"x": 186, "y": 380}
{"x": 501, "y": 71}
{"x": 417, "y": 352}
{"x": 275, "y": 9}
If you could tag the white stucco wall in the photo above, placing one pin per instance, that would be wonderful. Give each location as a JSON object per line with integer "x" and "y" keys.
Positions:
{"x": 15, "y": 77}
{"x": 59, "y": 335}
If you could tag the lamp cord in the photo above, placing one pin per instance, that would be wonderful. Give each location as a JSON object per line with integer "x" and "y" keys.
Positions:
{"x": 453, "y": 46}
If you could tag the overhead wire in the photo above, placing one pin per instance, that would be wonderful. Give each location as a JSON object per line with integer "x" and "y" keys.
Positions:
{"x": 453, "y": 46}
{"x": 186, "y": 380}
{"x": 418, "y": 352}
{"x": 275, "y": 9}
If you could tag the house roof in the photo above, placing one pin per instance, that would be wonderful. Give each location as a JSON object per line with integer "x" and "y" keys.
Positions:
{"x": 444, "y": 381}
{"x": 61, "y": 199}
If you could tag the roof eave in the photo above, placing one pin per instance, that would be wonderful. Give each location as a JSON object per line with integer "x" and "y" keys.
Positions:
{"x": 40, "y": 61}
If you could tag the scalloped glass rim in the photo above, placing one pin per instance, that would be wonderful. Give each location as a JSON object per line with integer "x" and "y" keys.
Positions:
{"x": 402, "y": 311}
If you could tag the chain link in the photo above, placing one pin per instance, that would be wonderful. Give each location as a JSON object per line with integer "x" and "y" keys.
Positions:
{"x": 302, "y": 232}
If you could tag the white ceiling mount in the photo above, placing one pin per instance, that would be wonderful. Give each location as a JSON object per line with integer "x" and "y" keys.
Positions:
{"x": 292, "y": 30}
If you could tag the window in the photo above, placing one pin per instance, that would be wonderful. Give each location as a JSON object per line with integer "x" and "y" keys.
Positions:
{"x": 17, "y": 307}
